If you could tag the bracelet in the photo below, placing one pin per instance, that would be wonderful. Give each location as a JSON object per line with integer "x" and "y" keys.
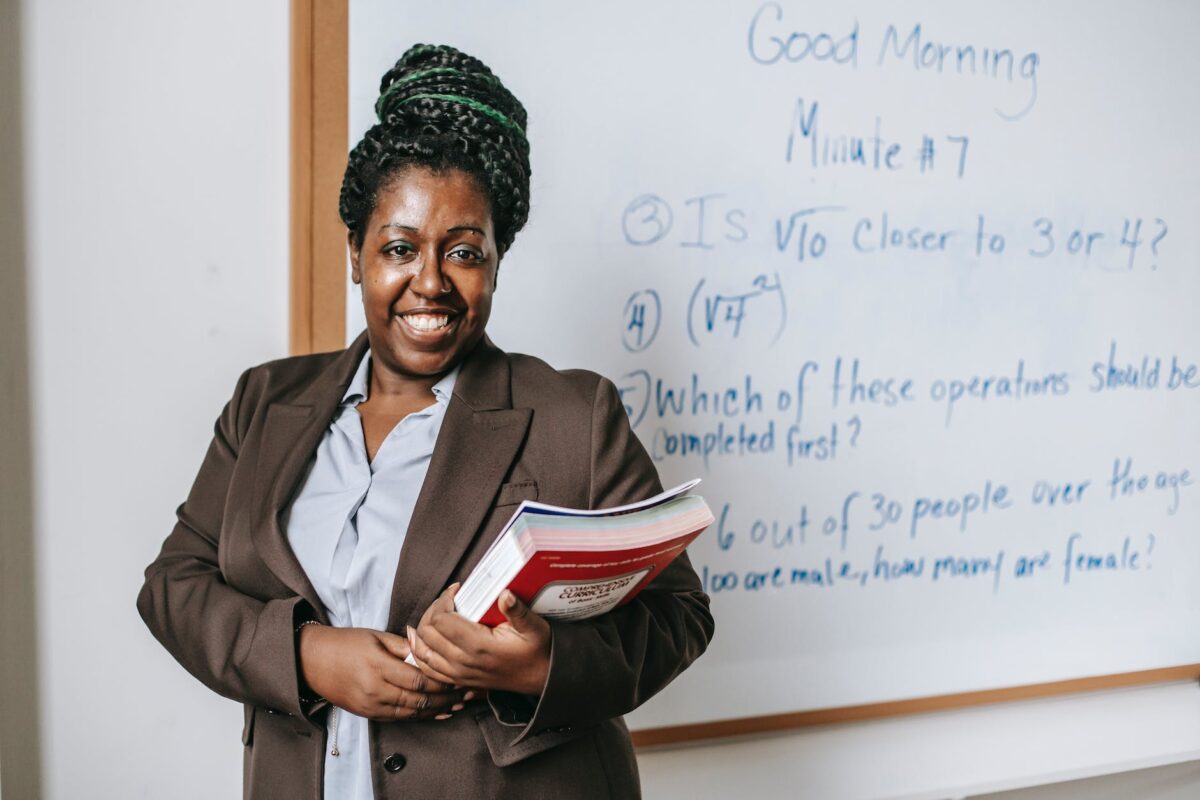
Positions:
{"x": 307, "y": 696}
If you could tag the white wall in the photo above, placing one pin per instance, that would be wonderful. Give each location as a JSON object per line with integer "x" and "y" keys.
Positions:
{"x": 156, "y": 245}
{"x": 156, "y": 176}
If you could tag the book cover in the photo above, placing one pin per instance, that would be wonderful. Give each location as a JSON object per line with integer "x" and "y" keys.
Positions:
{"x": 572, "y": 564}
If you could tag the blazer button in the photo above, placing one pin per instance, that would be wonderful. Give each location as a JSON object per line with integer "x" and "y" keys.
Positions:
{"x": 394, "y": 763}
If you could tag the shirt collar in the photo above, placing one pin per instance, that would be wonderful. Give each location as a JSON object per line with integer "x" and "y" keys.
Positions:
{"x": 445, "y": 387}
{"x": 359, "y": 388}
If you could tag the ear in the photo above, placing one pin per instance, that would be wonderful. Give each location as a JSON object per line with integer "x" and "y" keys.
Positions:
{"x": 355, "y": 252}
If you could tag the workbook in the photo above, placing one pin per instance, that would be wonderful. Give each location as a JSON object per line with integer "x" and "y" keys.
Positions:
{"x": 570, "y": 564}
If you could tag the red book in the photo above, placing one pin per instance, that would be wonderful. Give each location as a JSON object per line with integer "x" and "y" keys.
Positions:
{"x": 573, "y": 564}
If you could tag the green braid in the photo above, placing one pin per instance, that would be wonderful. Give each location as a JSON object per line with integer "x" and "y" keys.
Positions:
{"x": 469, "y": 103}
{"x": 414, "y": 76}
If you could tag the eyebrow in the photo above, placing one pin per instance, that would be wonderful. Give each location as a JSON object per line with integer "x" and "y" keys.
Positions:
{"x": 411, "y": 229}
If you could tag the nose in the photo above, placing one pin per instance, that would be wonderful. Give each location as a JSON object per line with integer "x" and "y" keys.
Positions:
{"x": 430, "y": 281}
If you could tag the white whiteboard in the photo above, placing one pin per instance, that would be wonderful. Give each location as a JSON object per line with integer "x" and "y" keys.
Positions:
{"x": 663, "y": 194}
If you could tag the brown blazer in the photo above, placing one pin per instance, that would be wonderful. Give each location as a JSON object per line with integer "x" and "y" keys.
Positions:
{"x": 226, "y": 592}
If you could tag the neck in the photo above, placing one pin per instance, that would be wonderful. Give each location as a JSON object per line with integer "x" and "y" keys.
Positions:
{"x": 392, "y": 386}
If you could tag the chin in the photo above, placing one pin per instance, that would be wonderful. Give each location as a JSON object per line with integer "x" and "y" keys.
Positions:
{"x": 426, "y": 360}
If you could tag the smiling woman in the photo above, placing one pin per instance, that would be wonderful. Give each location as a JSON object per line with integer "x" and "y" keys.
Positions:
{"x": 426, "y": 260}
{"x": 345, "y": 495}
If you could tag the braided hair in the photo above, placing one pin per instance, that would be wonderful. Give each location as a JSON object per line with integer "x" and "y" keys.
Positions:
{"x": 442, "y": 109}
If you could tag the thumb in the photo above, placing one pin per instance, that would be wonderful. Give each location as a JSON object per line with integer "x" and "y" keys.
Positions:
{"x": 516, "y": 612}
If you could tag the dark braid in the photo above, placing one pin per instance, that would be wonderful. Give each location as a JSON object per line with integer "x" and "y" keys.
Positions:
{"x": 443, "y": 109}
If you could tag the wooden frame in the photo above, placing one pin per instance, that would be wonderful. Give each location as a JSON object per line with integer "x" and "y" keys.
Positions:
{"x": 320, "y": 82}
{"x": 775, "y": 723}
{"x": 320, "y": 74}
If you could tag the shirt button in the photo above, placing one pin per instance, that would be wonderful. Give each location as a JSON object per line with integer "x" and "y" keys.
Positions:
{"x": 394, "y": 763}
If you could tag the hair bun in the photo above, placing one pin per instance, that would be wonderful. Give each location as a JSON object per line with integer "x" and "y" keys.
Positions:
{"x": 433, "y": 87}
{"x": 443, "y": 109}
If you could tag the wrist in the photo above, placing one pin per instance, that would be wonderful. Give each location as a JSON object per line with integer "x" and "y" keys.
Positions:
{"x": 306, "y": 634}
{"x": 533, "y": 678}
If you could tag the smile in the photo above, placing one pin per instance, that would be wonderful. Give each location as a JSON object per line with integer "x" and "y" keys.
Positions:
{"x": 426, "y": 324}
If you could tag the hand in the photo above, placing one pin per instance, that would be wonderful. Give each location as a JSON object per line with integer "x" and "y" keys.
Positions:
{"x": 514, "y": 656}
{"x": 363, "y": 671}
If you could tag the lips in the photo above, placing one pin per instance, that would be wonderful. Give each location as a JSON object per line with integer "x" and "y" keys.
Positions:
{"x": 427, "y": 323}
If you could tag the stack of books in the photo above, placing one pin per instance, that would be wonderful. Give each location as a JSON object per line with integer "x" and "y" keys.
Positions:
{"x": 572, "y": 564}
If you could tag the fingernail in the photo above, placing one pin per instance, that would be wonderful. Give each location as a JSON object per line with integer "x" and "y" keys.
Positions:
{"x": 411, "y": 632}
{"x": 457, "y": 707}
{"x": 442, "y": 716}
{"x": 469, "y": 696}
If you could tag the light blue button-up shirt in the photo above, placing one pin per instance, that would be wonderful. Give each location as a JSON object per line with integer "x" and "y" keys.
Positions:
{"x": 346, "y": 526}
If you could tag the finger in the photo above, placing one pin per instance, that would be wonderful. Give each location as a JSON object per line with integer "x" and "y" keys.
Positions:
{"x": 455, "y": 628}
{"x": 443, "y": 606}
{"x": 421, "y": 702}
{"x": 410, "y": 676}
{"x": 416, "y": 701}
{"x": 445, "y": 600}
{"x": 442, "y": 603}
{"x": 430, "y": 661}
{"x": 401, "y": 673}
{"x": 391, "y": 705}
{"x": 418, "y": 647}
{"x": 396, "y": 645}
{"x": 440, "y": 701}
{"x": 462, "y": 647}
{"x": 442, "y": 658}
{"x": 435, "y": 675}
{"x": 516, "y": 612}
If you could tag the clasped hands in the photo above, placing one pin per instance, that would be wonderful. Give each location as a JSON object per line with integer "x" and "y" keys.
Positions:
{"x": 364, "y": 671}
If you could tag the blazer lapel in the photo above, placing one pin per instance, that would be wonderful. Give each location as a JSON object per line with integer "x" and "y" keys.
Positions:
{"x": 291, "y": 433}
{"x": 480, "y": 436}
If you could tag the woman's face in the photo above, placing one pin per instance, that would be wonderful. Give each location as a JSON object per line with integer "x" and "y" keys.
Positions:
{"x": 427, "y": 268}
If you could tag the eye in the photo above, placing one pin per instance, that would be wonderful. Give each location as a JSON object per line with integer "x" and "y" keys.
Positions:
{"x": 400, "y": 249}
{"x": 465, "y": 254}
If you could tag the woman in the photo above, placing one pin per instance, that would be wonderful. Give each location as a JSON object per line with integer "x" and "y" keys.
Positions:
{"x": 346, "y": 494}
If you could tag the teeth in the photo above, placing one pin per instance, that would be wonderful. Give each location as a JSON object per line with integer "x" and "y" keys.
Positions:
{"x": 427, "y": 322}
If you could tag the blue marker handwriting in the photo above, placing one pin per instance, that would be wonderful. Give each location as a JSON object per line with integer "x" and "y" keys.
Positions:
{"x": 877, "y": 513}
{"x": 1078, "y": 558}
{"x": 1125, "y": 482}
{"x": 712, "y": 313}
{"x": 1143, "y": 373}
{"x": 773, "y": 39}
{"x": 809, "y": 143}
{"x": 813, "y": 233}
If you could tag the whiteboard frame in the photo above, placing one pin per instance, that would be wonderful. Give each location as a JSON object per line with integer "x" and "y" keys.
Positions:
{"x": 320, "y": 124}
{"x": 319, "y": 132}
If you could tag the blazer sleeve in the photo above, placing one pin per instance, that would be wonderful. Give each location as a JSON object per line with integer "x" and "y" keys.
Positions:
{"x": 609, "y": 665}
{"x": 237, "y": 645}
